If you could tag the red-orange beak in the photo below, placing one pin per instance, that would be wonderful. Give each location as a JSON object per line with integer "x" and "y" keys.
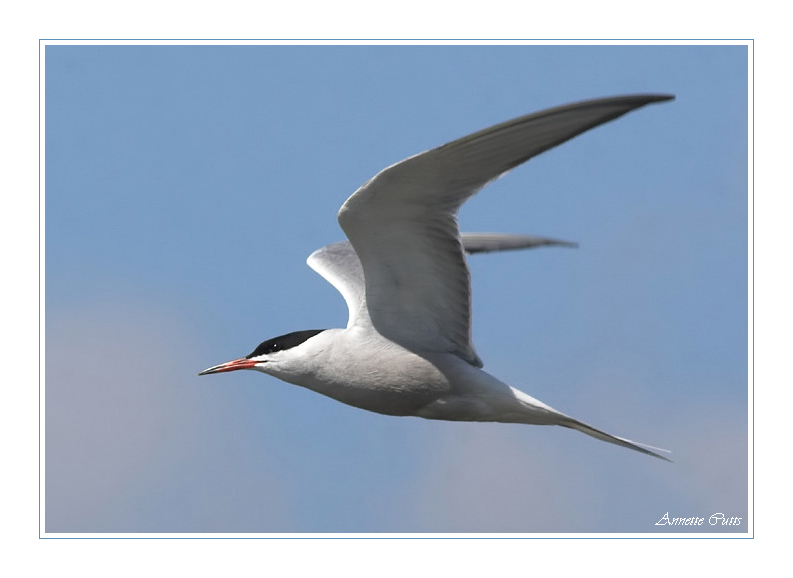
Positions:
{"x": 243, "y": 363}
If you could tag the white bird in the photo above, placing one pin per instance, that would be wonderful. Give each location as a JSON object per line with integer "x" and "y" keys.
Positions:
{"x": 407, "y": 347}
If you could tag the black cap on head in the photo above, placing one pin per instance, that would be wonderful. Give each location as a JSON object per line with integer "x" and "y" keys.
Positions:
{"x": 283, "y": 342}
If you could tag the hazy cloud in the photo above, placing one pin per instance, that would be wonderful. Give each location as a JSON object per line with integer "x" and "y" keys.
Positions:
{"x": 133, "y": 444}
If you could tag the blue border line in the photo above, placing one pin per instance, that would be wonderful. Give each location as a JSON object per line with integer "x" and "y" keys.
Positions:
{"x": 405, "y": 39}
{"x": 39, "y": 311}
{"x": 658, "y": 537}
{"x": 727, "y": 536}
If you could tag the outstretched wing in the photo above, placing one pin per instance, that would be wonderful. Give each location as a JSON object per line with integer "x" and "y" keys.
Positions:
{"x": 340, "y": 266}
{"x": 403, "y": 222}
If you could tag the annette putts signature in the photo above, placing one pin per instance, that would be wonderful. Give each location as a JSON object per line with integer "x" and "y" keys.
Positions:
{"x": 715, "y": 519}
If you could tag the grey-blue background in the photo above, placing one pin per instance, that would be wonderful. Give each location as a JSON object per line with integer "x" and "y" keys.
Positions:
{"x": 185, "y": 185}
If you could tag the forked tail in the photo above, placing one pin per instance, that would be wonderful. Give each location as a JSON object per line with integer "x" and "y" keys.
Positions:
{"x": 603, "y": 436}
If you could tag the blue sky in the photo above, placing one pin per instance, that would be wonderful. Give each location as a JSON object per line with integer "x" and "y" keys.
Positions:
{"x": 186, "y": 185}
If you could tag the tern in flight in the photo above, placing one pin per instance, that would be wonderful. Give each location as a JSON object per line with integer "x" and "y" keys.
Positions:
{"x": 407, "y": 349}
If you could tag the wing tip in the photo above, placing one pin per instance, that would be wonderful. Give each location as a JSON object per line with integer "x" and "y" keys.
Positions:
{"x": 639, "y": 99}
{"x": 474, "y": 243}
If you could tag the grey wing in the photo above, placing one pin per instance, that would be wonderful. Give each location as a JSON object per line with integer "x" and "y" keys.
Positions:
{"x": 340, "y": 266}
{"x": 403, "y": 222}
{"x": 489, "y": 242}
